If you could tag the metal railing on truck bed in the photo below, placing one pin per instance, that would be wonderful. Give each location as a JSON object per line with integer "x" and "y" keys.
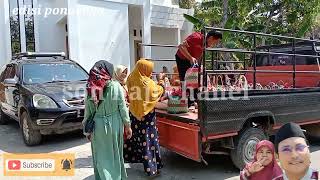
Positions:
{"x": 254, "y": 51}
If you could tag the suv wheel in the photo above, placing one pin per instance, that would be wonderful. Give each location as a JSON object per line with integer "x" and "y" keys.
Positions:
{"x": 3, "y": 118}
{"x": 245, "y": 145}
{"x": 31, "y": 137}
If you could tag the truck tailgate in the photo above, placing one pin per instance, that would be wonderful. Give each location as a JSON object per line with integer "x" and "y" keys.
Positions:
{"x": 180, "y": 137}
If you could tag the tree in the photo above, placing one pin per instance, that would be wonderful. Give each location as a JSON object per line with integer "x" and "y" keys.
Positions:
{"x": 283, "y": 17}
{"x": 186, "y": 4}
{"x": 315, "y": 32}
{"x": 296, "y": 18}
{"x": 15, "y": 35}
{"x": 29, "y": 30}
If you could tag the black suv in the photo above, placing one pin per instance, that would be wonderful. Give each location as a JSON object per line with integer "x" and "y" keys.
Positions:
{"x": 44, "y": 92}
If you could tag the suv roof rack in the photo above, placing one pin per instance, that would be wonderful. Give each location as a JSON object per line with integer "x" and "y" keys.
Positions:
{"x": 39, "y": 54}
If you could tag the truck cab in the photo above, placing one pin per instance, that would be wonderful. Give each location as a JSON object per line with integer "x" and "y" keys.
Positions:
{"x": 279, "y": 62}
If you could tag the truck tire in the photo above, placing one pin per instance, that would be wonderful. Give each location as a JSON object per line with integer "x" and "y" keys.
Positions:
{"x": 313, "y": 132}
{"x": 245, "y": 145}
{"x": 31, "y": 137}
{"x": 3, "y": 118}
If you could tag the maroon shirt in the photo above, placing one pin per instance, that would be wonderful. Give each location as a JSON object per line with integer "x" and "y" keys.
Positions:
{"x": 195, "y": 42}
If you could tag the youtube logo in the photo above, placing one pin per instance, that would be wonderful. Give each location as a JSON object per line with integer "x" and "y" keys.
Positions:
{"x": 14, "y": 165}
{"x": 38, "y": 164}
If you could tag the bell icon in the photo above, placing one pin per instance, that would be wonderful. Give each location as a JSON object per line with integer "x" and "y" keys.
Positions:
{"x": 66, "y": 164}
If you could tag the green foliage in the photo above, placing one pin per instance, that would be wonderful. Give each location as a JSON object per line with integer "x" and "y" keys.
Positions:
{"x": 186, "y": 4}
{"x": 15, "y": 34}
{"x": 298, "y": 18}
{"x": 283, "y": 17}
{"x": 198, "y": 24}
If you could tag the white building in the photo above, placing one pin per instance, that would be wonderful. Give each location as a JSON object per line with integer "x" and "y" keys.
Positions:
{"x": 90, "y": 30}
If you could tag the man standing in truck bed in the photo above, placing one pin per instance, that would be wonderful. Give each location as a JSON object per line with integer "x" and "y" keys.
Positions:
{"x": 190, "y": 51}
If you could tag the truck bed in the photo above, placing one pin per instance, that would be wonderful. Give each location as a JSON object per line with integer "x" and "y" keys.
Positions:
{"x": 223, "y": 115}
{"x": 281, "y": 106}
{"x": 190, "y": 117}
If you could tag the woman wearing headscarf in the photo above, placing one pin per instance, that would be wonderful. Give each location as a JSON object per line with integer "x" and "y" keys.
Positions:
{"x": 144, "y": 94}
{"x": 105, "y": 102}
{"x": 264, "y": 165}
{"x": 121, "y": 74}
{"x": 175, "y": 81}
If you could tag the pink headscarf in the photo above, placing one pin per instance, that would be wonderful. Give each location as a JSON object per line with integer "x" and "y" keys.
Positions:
{"x": 272, "y": 170}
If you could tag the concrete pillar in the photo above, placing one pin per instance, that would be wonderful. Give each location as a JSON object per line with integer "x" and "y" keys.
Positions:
{"x": 146, "y": 26}
{"x": 73, "y": 34}
{"x": 22, "y": 29}
{"x": 178, "y": 36}
{"x": 36, "y": 27}
{"x": 5, "y": 45}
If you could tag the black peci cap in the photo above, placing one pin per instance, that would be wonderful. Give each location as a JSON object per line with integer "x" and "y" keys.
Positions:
{"x": 214, "y": 33}
{"x": 287, "y": 131}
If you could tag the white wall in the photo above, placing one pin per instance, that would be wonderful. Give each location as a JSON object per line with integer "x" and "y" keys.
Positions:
{"x": 51, "y": 34}
{"x": 93, "y": 38}
{"x": 135, "y": 17}
{"x": 146, "y": 25}
{"x": 105, "y": 36}
{"x": 169, "y": 3}
{"x": 5, "y": 40}
{"x": 60, "y": 3}
{"x": 169, "y": 17}
{"x": 135, "y": 22}
{"x": 184, "y": 34}
{"x": 164, "y": 36}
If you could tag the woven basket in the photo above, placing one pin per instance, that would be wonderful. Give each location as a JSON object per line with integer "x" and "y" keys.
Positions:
{"x": 177, "y": 105}
{"x": 191, "y": 77}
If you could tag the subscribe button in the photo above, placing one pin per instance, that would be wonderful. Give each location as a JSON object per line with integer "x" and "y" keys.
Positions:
{"x": 39, "y": 164}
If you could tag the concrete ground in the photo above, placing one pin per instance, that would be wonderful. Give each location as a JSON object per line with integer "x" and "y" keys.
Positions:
{"x": 176, "y": 167}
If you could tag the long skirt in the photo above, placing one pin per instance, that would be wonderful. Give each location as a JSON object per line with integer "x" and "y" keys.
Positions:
{"x": 107, "y": 148}
{"x": 144, "y": 146}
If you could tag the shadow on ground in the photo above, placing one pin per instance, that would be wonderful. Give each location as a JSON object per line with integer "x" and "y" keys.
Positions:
{"x": 180, "y": 168}
{"x": 89, "y": 178}
{"x": 11, "y": 141}
{"x": 84, "y": 162}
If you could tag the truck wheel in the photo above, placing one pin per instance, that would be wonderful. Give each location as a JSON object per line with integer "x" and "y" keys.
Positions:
{"x": 30, "y": 137}
{"x": 245, "y": 145}
{"x": 313, "y": 132}
{"x": 3, "y": 118}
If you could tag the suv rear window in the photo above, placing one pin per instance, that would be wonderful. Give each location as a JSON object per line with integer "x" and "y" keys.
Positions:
{"x": 52, "y": 72}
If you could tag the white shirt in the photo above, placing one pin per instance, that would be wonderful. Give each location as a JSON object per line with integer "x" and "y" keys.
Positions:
{"x": 309, "y": 175}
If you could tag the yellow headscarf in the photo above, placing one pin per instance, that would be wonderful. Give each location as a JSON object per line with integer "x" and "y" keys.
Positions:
{"x": 144, "y": 93}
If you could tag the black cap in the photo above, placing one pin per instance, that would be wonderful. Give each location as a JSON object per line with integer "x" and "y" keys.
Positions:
{"x": 215, "y": 34}
{"x": 287, "y": 131}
